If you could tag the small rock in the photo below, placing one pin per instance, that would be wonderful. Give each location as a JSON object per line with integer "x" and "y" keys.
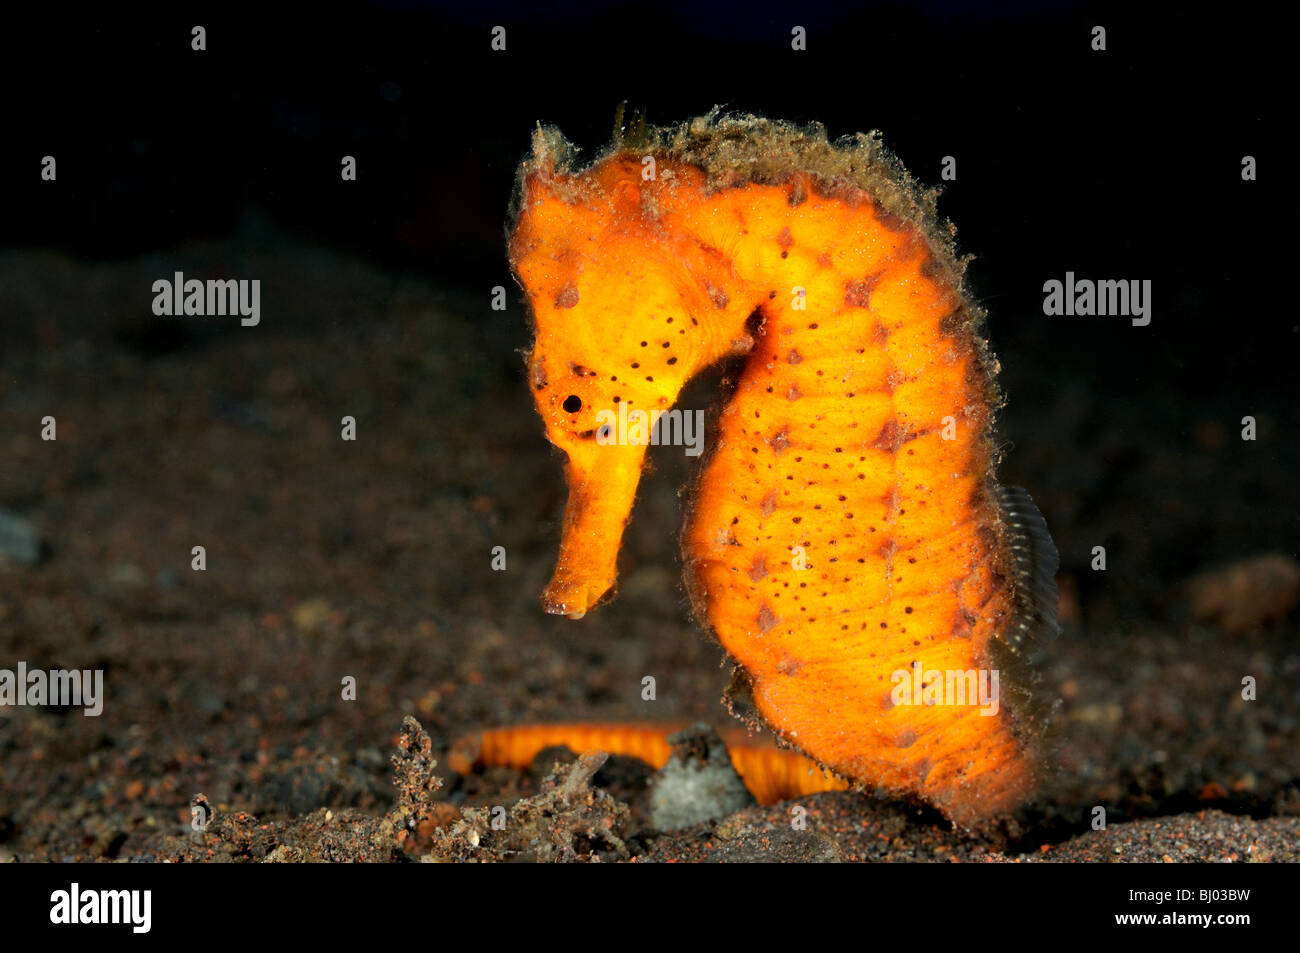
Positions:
{"x": 698, "y": 783}
{"x": 19, "y": 543}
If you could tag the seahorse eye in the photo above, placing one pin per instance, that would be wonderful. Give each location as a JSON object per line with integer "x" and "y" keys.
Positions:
{"x": 572, "y": 404}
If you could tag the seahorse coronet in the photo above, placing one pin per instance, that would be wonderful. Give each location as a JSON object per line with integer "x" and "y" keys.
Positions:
{"x": 849, "y": 490}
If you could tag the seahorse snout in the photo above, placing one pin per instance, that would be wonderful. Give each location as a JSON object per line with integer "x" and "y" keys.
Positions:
{"x": 565, "y": 599}
{"x": 602, "y": 487}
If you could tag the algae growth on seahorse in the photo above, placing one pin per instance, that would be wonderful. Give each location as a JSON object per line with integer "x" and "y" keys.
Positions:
{"x": 846, "y": 527}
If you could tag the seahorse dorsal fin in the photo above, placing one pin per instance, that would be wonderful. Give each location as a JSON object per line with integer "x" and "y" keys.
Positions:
{"x": 1036, "y": 563}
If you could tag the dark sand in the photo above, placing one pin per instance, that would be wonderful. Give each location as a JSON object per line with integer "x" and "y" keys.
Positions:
{"x": 370, "y": 559}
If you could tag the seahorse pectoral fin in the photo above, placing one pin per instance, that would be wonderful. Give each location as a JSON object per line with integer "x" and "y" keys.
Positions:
{"x": 602, "y": 489}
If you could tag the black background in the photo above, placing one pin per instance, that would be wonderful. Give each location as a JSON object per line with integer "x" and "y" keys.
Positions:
{"x": 1123, "y": 164}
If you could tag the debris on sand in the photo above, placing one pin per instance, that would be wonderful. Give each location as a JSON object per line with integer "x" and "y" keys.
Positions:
{"x": 569, "y": 820}
{"x": 1245, "y": 595}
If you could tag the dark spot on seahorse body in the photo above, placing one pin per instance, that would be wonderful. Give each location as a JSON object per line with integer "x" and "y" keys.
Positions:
{"x": 538, "y": 376}
{"x": 922, "y": 770}
{"x": 857, "y": 294}
{"x": 879, "y": 334}
{"x": 759, "y": 569}
{"x": 766, "y": 618}
{"x": 768, "y": 505}
{"x": 785, "y": 239}
{"x": 886, "y": 552}
{"x": 905, "y": 738}
{"x": 567, "y": 297}
{"x": 794, "y": 356}
{"x": 824, "y": 259}
{"x": 793, "y": 393}
{"x": 779, "y": 440}
{"x": 887, "y": 702}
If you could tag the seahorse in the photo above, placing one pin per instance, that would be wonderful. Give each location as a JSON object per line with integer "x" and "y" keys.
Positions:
{"x": 846, "y": 541}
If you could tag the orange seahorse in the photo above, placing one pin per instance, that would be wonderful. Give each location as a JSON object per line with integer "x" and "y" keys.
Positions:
{"x": 847, "y": 541}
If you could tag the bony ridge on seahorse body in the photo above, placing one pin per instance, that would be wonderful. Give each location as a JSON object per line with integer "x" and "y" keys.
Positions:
{"x": 846, "y": 526}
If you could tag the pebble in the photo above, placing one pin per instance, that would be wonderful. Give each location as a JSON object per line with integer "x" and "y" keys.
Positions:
{"x": 19, "y": 542}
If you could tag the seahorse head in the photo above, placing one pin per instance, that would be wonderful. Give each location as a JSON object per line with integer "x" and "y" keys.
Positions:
{"x": 625, "y": 310}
